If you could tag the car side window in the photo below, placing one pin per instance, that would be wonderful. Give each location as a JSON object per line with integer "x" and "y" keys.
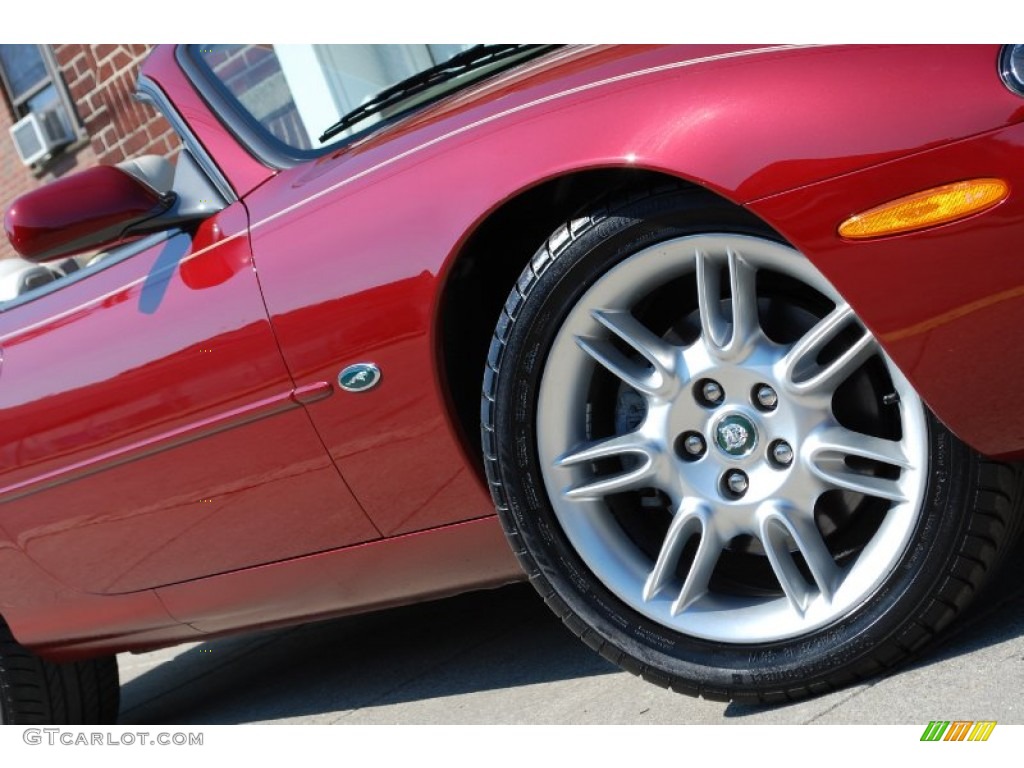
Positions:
{"x": 22, "y": 281}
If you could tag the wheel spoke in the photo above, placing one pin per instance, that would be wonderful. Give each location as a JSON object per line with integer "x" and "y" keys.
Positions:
{"x": 819, "y": 560}
{"x": 829, "y": 450}
{"x": 696, "y": 584}
{"x": 800, "y": 369}
{"x": 775, "y": 540}
{"x": 691, "y": 519}
{"x": 834, "y": 471}
{"x": 839, "y": 370}
{"x": 849, "y": 443}
{"x": 745, "y": 324}
{"x": 633, "y": 480}
{"x": 780, "y": 529}
{"x": 635, "y": 374}
{"x": 655, "y": 374}
{"x": 713, "y": 327}
{"x": 632, "y": 444}
{"x": 662, "y": 356}
{"x": 727, "y": 339}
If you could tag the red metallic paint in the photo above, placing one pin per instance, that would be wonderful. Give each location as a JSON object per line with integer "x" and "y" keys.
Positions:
{"x": 80, "y": 212}
{"x": 945, "y": 302}
{"x": 379, "y": 574}
{"x": 353, "y": 251}
{"x": 127, "y": 463}
{"x": 63, "y": 623}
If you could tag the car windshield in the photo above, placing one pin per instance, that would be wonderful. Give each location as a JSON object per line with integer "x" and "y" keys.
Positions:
{"x": 295, "y": 93}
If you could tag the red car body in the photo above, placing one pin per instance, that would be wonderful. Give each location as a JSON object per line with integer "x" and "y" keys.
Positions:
{"x": 178, "y": 460}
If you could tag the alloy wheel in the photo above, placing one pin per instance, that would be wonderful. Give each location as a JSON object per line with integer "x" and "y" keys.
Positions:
{"x": 724, "y": 444}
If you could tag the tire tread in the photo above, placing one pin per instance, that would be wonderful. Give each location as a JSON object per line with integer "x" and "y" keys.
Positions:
{"x": 34, "y": 691}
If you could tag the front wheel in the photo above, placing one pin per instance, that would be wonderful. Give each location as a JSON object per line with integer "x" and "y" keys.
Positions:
{"x": 711, "y": 470}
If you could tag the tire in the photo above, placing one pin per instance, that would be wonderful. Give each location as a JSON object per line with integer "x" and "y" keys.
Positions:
{"x": 34, "y": 691}
{"x": 750, "y": 505}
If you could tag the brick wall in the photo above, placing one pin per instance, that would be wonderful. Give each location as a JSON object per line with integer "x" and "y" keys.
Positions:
{"x": 253, "y": 74}
{"x": 16, "y": 179}
{"x": 101, "y": 80}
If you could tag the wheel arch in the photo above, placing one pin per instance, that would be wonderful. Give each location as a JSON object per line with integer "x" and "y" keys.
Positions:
{"x": 492, "y": 254}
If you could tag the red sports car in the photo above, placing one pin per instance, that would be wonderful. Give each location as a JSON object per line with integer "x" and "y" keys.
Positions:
{"x": 743, "y": 320}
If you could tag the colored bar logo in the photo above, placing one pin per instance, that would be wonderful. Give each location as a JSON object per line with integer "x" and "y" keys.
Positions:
{"x": 958, "y": 730}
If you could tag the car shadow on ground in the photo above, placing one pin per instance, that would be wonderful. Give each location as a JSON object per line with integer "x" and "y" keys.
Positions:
{"x": 482, "y": 641}
{"x": 485, "y": 641}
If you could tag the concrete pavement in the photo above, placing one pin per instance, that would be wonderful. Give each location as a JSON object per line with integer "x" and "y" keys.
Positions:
{"x": 500, "y": 657}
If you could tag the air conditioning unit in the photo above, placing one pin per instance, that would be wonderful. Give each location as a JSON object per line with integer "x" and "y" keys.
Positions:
{"x": 38, "y": 134}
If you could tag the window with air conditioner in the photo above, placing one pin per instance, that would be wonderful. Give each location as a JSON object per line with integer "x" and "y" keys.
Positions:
{"x": 44, "y": 117}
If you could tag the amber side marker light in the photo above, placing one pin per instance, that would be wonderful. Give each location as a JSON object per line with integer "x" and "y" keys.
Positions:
{"x": 929, "y": 208}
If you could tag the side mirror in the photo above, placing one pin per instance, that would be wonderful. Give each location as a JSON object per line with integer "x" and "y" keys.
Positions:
{"x": 91, "y": 209}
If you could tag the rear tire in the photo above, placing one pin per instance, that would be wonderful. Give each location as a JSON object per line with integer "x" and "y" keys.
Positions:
{"x": 34, "y": 691}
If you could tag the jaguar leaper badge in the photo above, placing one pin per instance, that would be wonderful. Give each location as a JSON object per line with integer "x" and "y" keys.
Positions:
{"x": 359, "y": 377}
{"x": 736, "y": 435}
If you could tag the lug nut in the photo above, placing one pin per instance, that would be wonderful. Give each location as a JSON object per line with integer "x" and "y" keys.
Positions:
{"x": 691, "y": 446}
{"x": 782, "y": 453}
{"x": 737, "y": 482}
{"x": 712, "y": 392}
{"x": 766, "y": 397}
{"x": 694, "y": 445}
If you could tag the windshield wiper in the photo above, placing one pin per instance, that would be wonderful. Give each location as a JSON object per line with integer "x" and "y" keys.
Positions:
{"x": 466, "y": 61}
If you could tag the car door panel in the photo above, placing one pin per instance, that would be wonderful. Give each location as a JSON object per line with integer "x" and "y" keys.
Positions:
{"x": 145, "y": 409}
